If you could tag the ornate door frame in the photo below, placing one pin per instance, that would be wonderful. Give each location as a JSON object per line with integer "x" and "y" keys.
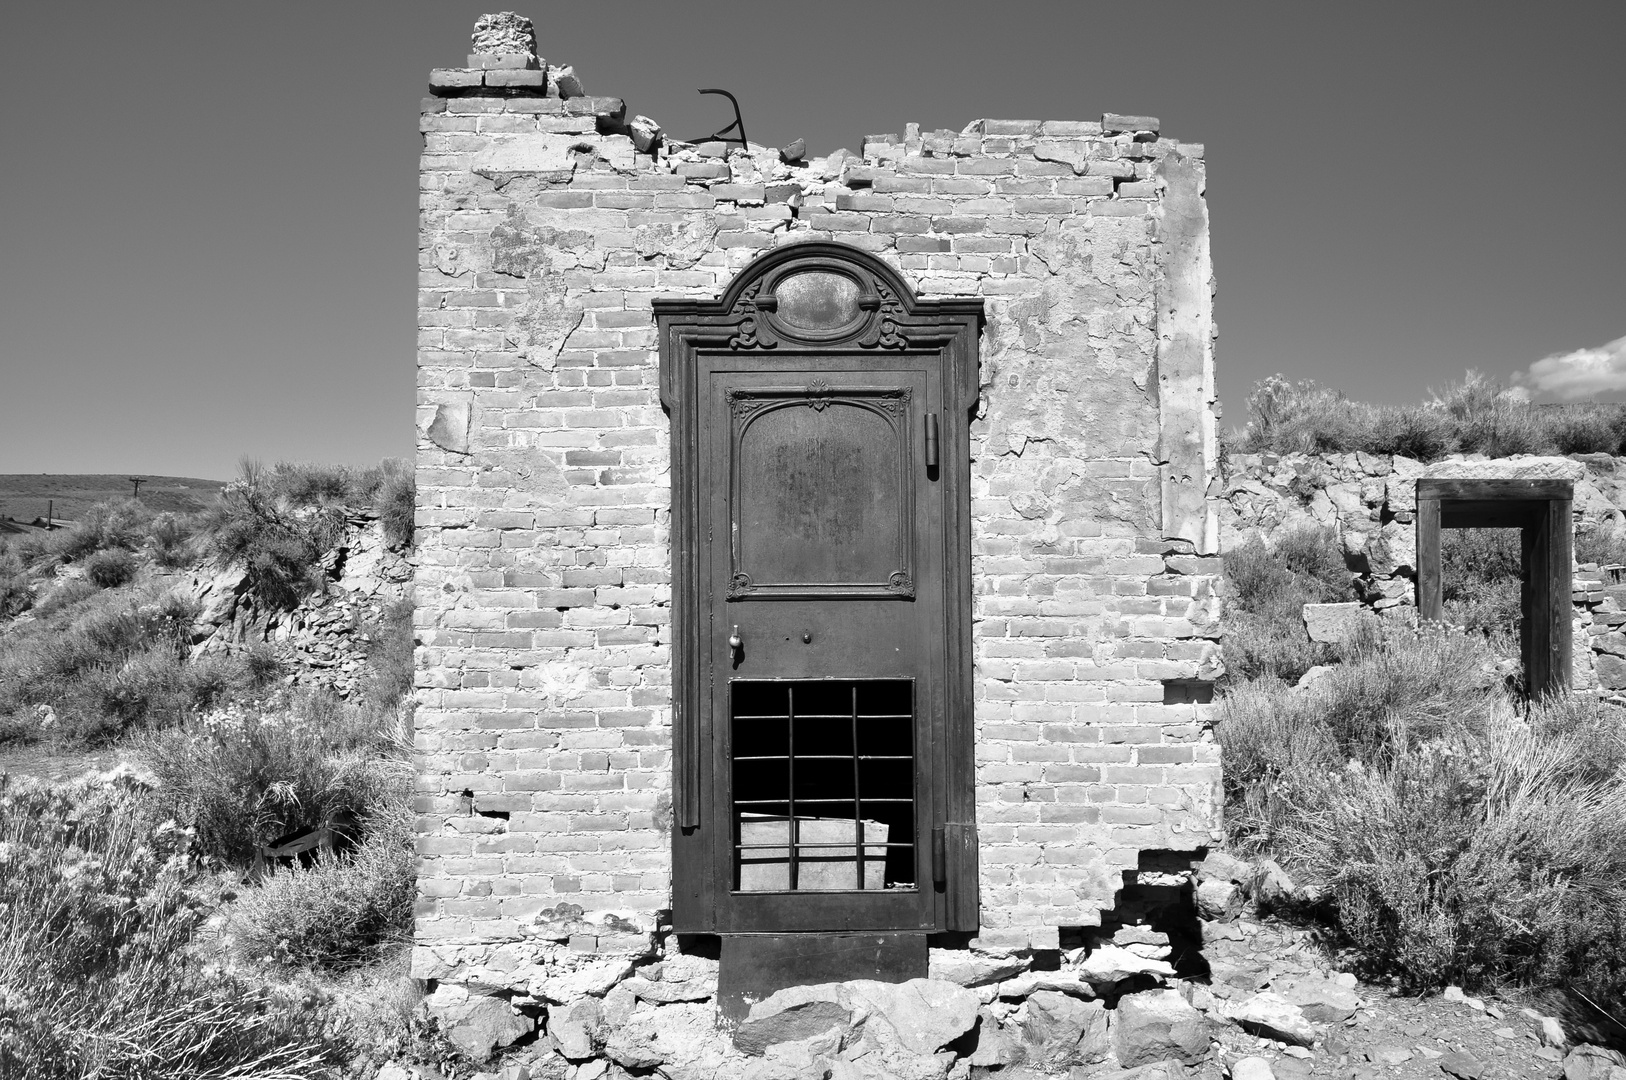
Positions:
{"x": 766, "y": 311}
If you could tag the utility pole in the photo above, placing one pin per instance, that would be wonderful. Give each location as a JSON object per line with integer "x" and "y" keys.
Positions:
{"x": 136, "y": 480}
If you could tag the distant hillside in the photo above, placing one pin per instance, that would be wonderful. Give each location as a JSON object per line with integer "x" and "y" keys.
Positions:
{"x": 23, "y": 496}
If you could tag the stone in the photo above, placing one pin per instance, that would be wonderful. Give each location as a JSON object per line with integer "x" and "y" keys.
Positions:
{"x": 1251, "y": 1068}
{"x": 1273, "y": 888}
{"x": 646, "y": 134}
{"x": 592, "y": 979}
{"x": 564, "y": 82}
{"x": 1158, "y": 1025}
{"x": 1388, "y": 1054}
{"x": 503, "y": 34}
{"x": 793, "y": 151}
{"x": 680, "y": 1040}
{"x": 997, "y": 1044}
{"x": 1332, "y": 623}
{"x": 1274, "y": 1017}
{"x": 392, "y": 1071}
{"x": 1219, "y": 900}
{"x": 449, "y": 429}
{"x": 1589, "y": 1062}
{"x": 1552, "y": 1032}
{"x": 571, "y": 1029}
{"x": 966, "y": 968}
{"x": 477, "y": 1024}
{"x": 1462, "y": 1065}
{"x": 920, "y": 1016}
{"x": 1312, "y": 676}
{"x": 925, "y": 1014}
{"x": 1321, "y": 1001}
{"x": 682, "y": 977}
{"x": 1110, "y": 963}
{"x": 1060, "y": 1031}
{"x": 539, "y": 155}
{"x": 1070, "y": 983}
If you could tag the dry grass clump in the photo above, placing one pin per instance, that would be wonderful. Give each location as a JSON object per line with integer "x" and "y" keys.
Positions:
{"x": 1476, "y": 416}
{"x": 279, "y": 522}
{"x": 343, "y": 909}
{"x": 250, "y": 773}
{"x": 99, "y": 905}
{"x": 1265, "y": 635}
{"x": 96, "y": 664}
{"x": 1455, "y": 840}
{"x": 250, "y": 776}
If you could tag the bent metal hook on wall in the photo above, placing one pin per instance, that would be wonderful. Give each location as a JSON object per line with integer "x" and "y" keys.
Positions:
{"x": 722, "y": 134}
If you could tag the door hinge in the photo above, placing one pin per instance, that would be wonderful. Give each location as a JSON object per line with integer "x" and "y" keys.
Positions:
{"x": 931, "y": 440}
{"x": 939, "y": 856}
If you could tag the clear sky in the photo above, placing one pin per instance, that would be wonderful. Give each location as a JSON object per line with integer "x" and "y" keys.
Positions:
{"x": 208, "y": 209}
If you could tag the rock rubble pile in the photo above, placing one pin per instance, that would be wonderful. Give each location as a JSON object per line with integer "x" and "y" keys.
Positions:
{"x": 1192, "y": 976}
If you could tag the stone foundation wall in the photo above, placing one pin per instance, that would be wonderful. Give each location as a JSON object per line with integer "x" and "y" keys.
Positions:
{"x": 1370, "y": 501}
{"x": 548, "y": 225}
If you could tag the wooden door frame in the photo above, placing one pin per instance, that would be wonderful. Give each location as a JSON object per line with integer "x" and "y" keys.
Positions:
{"x": 1541, "y": 511}
{"x": 888, "y": 319}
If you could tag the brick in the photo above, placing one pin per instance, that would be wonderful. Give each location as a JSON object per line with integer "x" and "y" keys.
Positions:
{"x": 1112, "y": 123}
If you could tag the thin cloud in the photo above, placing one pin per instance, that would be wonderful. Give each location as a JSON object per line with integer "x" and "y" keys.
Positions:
{"x": 1580, "y": 374}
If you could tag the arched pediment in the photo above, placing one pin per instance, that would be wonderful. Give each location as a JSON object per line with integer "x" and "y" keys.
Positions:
{"x": 812, "y": 296}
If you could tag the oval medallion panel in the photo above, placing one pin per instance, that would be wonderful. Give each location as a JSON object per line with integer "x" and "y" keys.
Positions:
{"x": 818, "y": 301}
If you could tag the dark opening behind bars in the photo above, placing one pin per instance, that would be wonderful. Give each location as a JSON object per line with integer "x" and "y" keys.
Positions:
{"x": 815, "y": 757}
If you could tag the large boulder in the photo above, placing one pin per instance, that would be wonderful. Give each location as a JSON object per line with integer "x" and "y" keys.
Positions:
{"x": 920, "y": 1016}
{"x": 1062, "y": 1031}
{"x": 1157, "y": 1026}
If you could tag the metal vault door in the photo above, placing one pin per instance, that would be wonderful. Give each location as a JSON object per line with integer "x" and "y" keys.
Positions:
{"x": 821, "y": 604}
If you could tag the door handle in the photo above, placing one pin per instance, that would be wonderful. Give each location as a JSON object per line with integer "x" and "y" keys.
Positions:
{"x": 735, "y": 644}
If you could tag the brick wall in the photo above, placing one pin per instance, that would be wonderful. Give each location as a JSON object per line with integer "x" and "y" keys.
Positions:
{"x": 543, "y": 476}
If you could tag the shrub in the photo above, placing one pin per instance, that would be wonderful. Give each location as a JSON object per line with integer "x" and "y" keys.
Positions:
{"x": 247, "y": 775}
{"x": 1476, "y": 415}
{"x": 171, "y": 539}
{"x": 118, "y": 662}
{"x": 121, "y": 524}
{"x": 280, "y": 550}
{"x": 396, "y": 501}
{"x": 390, "y": 655}
{"x": 110, "y": 567}
{"x": 1455, "y": 841}
{"x": 63, "y": 595}
{"x": 1265, "y": 635}
{"x": 346, "y": 907}
{"x": 16, "y": 584}
{"x": 98, "y": 903}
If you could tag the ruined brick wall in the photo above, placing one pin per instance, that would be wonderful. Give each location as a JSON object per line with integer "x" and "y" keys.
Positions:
{"x": 543, "y": 479}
